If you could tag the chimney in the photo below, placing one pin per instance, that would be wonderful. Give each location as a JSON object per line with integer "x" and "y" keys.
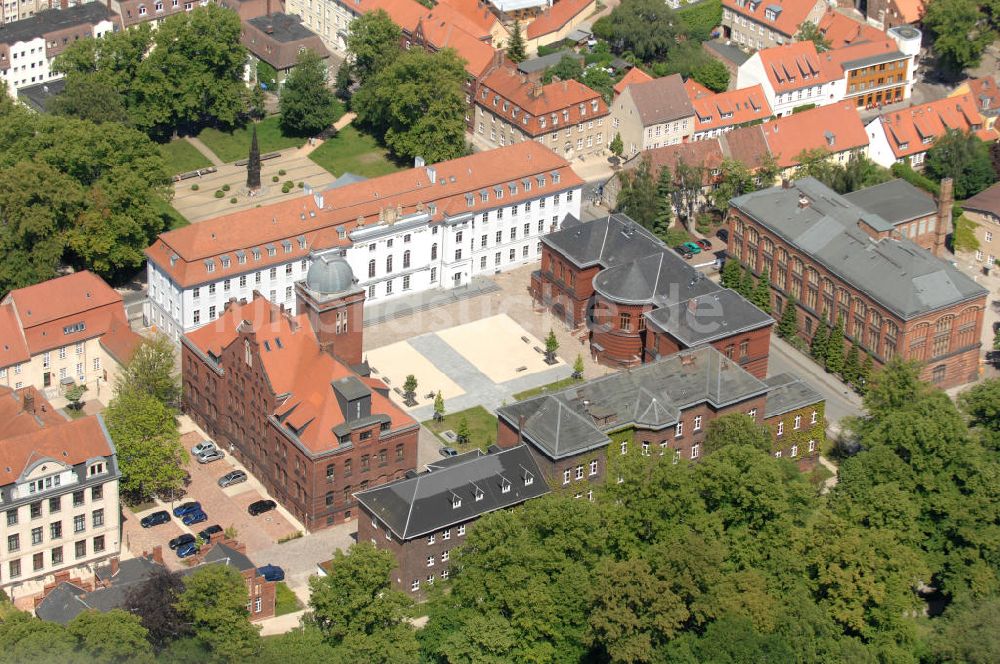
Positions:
{"x": 945, "y": 200}
{"x": 114, "y": 566}
{"x": 268, "y": 7}
{"x": 520, "y": 428}
{"x": 28, "y": 404}
{"x": 786, "y": 183}
{"x": 268, "y": 29}
{"x": 803, "y": 202}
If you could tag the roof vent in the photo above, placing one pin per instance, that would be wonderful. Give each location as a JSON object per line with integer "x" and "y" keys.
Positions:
{"x": 803, "y": 201}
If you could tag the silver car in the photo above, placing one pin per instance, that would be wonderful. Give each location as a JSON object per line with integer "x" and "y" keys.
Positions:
{"x": 210, "y": 456}
{"x": 232, "y": 477}
{"x": 202, "y": 447}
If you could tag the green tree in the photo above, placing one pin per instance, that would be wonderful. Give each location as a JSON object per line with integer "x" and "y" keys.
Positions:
{"x": 515, "y": 45}
{"x": 761, "y": 296}
{"x": 74, "y": 396}
{"x": 835, "y": 348}
{"x": 214, "y": 601}
{"x": 567, "y": 68}
{"x": 578, "y": 366}
{"x": 808, "y": 31}
{"x": 617, "y": 147}
{"x": 24, "y": 638}
{"x": 152, "y": 371}
{"x": 551, "y": 344}
{"x": 373, "y": 42}
{"x": 462, "y": 430}
{"x": 968, "y": 632}
{"x": 819, "y": 343}
{"x": 599, "y": 80}
{"x": 646, "y": 28}
{"x": 981, "y": 404}
{"x": 664, "y": 209}
{"x": 416, "y": 105}
{"x": 356, "y": 597}
{"x": 747, "y": 284}
{"x": 852, "y": 365}
{"x": 302, "y": 646}
{"x": 410, "y": 385}
{"x": 736, "y": 429}
{"x": 90, "y": 97}
{"x": 638, "y": 194}
{"x": 731, "y": 275}
{"x": 307, "y": 105}
{"x": 960, "y": 34}
{"x": 344, "y": 80}
{"x": 688, "y": 183}
{"x": 153, "y": 602}
{"x": 438, "y": 405}
{"x": 860, "y": 172}
{"x": 788, "y": 326}
{"x": 865, "y": 374}
{"x": 712, "y": 74}
{"x": 114, "y": 637}
{"x": 145, "y": 434}
{"x": 736, "y": 180}
{"x": 964, "y": 158}
{"x": 115, "y": 58}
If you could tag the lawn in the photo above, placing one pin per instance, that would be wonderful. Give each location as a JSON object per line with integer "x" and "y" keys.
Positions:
{"x": 285, "y": 600}
{"x": 551, "y": 387}
{"x": 350, "y": 151}
{"x": 182, "y": 157}
{"x": 171, "y": 216}
{"x": 235, "y": 145}
{"x": 482, "y": 428}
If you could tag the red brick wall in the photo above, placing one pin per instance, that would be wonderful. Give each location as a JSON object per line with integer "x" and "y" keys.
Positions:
{"x": 757, "y": 345}
{"x": 621, "y": 345}
{"x": 794, "y": 442}
{"x": 562, "y": 287}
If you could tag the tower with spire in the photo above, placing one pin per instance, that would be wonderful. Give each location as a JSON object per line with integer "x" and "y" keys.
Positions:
{"x": 253, "y": 164}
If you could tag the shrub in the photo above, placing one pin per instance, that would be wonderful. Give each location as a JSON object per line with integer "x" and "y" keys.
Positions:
{"x": 225, "y": 187}
{"x": 219, "y": 193}
{"x": 195, "y": 187}
{"x": 288, "y": 538}
{"x": 289, "y": 184}
{"x": 274, "y": 178}
{"x": 281, "y": 172}
{"x": 906, "y": 172}
{"x": 232, "y": 200}
{"x": 285, "y": 189}
{"x": 300, "y": 185}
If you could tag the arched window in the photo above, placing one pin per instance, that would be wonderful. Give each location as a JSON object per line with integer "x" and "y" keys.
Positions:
{"x": 371, "y": 268}
{"x": 942, "y": 336}
{"x": 329, "y": 498}
{"x": 891, "y": 334}
{"x": 966, "y": 327}
{"x": 434, "y": 251}
{"x": 797, "y": 267}
{"x": 406, "y": 259}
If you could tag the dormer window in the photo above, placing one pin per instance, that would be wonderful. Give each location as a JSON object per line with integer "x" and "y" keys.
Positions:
{"x": 225, "y": 262}
{"x": 469, "y": 200}
{"x": 593, "y": 105}
{"x": 583, "y": 109}
{"x": 529, "y": 479}
{"x": 555, "y": 177}
{"x": 75, "y": 327}
{"x": 210, "y": 265}
{"x": 96, "y": 469}
{"x": 479, "y": 494}
{"x": 504, "y": 485}
{"x": 484, "y": 195}
{"x": 302, "y": 242}
{"x": 287, "y": 246}
{"x": 241, "y": 257}
{"x": 565, "y": 115}
{"x": 272, "y": 250}
{"x": 498, "y": 192}
{"x": 927, "y": 139}
{"x": 256, "y": 253}
{"x": 456, "y": 502}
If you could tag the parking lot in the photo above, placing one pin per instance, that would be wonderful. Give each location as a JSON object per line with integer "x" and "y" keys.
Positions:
{"x": 225, "y": 507}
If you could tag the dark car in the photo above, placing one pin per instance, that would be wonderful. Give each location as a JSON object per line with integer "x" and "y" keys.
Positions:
{"x": 181, "y": 540}
{"x": 208, "y": 532}
{"x": 155, "y": 519}
{"x": 448, "y": 451}
{"x": 706, "y": 245}
{"x": 271, "y": 573}
{"x": 683, "y": 251}
{"x": 261, "y": 506}
{"x": 192, "y": 518}
{"x": 232, "y": 477}
{"x": 722, "y": 234}
{"x": 184, "y": 508}
{"x": 188, "y": 549}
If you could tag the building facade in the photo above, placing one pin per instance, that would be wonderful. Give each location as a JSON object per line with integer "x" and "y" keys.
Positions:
{"x": 895, "y": 298}
{"x": 755, "y": 25}
{"x": 983, "y": 210}
{"x": 429, "y": 227}
{"x": 652, "y": 114}
{"x": 424, "y": 517}
{"x": 718, "y": 113}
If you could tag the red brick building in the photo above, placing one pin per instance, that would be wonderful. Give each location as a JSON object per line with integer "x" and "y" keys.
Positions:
{"x": 895, "y": 298}
{"x": 640, "y": 300}
{"x": 291, "y": 398}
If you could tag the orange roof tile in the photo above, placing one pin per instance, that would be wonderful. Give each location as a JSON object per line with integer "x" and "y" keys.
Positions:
{"x": 120, "y": 341}
{"x": 726, "y": 109}
{"x": 441, "y": 34}
{"x": 791, "y": 14}
{"x": 842, "y": 30}
{"x": 911, "y": 10}
{"x": 457, "y": 19}
{"x": 476, "y": 11}
{"x": 69, "y": 443}
{"x": 296, "y": 369}
{"x": 915, "y": 129}
{"x": 555, "y": 17}
{"x": 985, "y": 94}
{"x": 182, "y": 253}
{"x": 705, "y": 154}
{"x": 534, "y": 102}
{"x": 633, "y": 75}
{"x": 835, "y": 128}
{"x": 13, "y": 346}
{"x": 794, "y": 66}
{"x": 404, "y": 13}
{"x": 17, "y": 418}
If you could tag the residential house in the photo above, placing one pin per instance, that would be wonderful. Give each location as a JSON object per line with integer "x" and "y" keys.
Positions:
{"x": 835, "y": 129}
{"x": 888, "y": 14}
{"x": 985, "y": 94}
{"x": 60, "y": 494}
{"x": 424, "y": 517}
{"x": 331, "y": 19}
{"x": 717, "y": 113}
{"x": 755, "y": 25}
{"x": 633, "y": 75}
{"x": 292, "y": 399}
{"x": 661, "y": 409}
{"x": 729, "y": 55}
{"x": 911, "y": 214}
{"x": 895, "y": 298}
{"x": 419, "y": 229}
{"x": 480, "y": 14}
{"x": 28, "y": 46}
{"x": 906, "y": 135}
{"x": 639, "y": 299}
{"x": 983, "y": 210}
{"x": 651, "y": 114}
{"x": 134, "y": 12}
{"x": 277, "y": 39}
{"x": 566, "y": 116}
{"x": 707, "y": 154}
{"x": 841, "y": 30}
{"x": 67, "y": 331}
{"x": 556, "y": 22}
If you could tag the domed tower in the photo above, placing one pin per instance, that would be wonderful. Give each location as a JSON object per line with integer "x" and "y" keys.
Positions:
{"x": 331, "y": 298}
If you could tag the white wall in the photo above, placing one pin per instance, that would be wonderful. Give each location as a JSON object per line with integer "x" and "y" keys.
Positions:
{"x": 879, "y": 150}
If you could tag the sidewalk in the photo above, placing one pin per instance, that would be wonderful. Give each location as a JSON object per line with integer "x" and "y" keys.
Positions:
{"x": 312, "y": 144}
{"x": 281, "y": 624}
{"x": 202, "y": 148}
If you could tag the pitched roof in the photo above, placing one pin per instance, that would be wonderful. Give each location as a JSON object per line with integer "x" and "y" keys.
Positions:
{"x": 787, "y": 393}
{"x": 13, "y": 346}
{"x": 896, "y": 201}
{"x": 451, "y": 15}
{"x": 915, "y": 129}
{"x": 706, "y": 154}
{"x": 911, "y": 10}
{"x": 706, "y": 318}
{"x": 904, "y": 278}
{"x": 726, "y": 109}
{"x": 633, "y": 75}
{"x": 441, "y": 33}
{"x": 788, "y": 15}
{"x": 476, "y": 11}
{"x": 49, "y": 21}
{"x": 537, "y": 103}
{"x": 794, "y": 66}
{"x": 842, "y": 30}
{"x": 67, "y": 600}
{"x": 61, "y": 297}
{"x": 67, "y": 443}
{"x": 120, "y": 341}
{"x": 834, "y": 128}
{"x": 554, "y": 17}
{"x": 299, "y": 372}
{"x": 746, "y": 145}
{"x": 404, "y": 13}
{"x": 661, "y": 100}
{"x": 24, "y": 411}
{"x": 455, "y": 493}
{"x": 986, "y": 94}
{"x": 988, "y": 201}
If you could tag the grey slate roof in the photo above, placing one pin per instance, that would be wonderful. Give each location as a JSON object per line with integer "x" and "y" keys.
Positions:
{"x": 415, "y": 506}
{"x": 986, "y": 201}
{"x": 544, "y": 62}
{"x": 896, "y": 201}
{"x": 730, "y": 53}
{"x": 577, "y": 419}
{"x": 39, "y": 96}
{"x": 50, "y": 20}
{"x": 220, "y": 553}
{"x": 67, "y": 600}
{"x": 708, "y": 317}
{"x": 905, "y": 279}
{"x": 282, "y": 28}
{"x": 661, "y": 100}
{"x": 788, "y": 392}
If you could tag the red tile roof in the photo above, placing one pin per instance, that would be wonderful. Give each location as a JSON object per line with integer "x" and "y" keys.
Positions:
{"x": 705, "y": 154}
{"x": 555, "y": 17}
{"x": 18, "y": 418}
{"x": 182, "y": 253}
{"x": 842, "y": 30}
{"x": 457, "y": 19}
{"x": 794, "y": 66}
{"x": 120, "y": 341}
{"x": 439, "y": 33}
{"x": 67, "y": 443}
{"x": 633, "y": 75}
{"x": 531, "y": 102}
{"x": 295, "y": 367}
{"x": 911, "y": 10}
{"x": 915, "y": 129}
{"x": 476, "y": 11}
{"x": 13, "y": 347}
{"x": 404, "y": 13}
{"x": 726, "y": 109}
{"x": 791, "y": 15}
{"x": 985, "y": 94}
{"x": 834, "y": 128}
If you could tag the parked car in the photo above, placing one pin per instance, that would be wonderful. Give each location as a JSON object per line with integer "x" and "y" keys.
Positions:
{"x": 271, "y": 573}
{"x": 155, "y": 519}
{"x": 192, "y": 518}
{"x": 232, "y": 477}
{"x": 261, "y": 506}
{"x": 448, "y": 451}
{"x": 184, "y": 508}
{"x": 722, "y": 234}
{"x": 692, "y": 247}
{"x": 181, "y": 540}
{"x": 683, "y": 251}
{"x": 206, "y": 534}
{"x": 186, "y": 550}
{"x": 202, "y": 447}
{"x": 706, "y": 245}
{"x": 210, "y": 456}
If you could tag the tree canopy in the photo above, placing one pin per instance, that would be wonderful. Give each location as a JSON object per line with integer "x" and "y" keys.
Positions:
{"x": 645, "y": 28}
{"x": 373, "y": 43}
{"x": 307, "y": 105}
{"x": 960, "y": 34}
{"x": 964, "y": 158}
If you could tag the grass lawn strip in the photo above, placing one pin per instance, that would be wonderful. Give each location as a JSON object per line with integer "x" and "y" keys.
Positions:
{"x": 482, "y": 428}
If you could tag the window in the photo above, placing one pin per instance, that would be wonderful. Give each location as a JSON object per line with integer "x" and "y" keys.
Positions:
{"x": 36, "y": 536}
{"x": 814, "y": 416}
{"x": 430, "y": 539}
{"x": 55, "y": 530}
{"x": 388, "y": 264}
{"x": 97, "y": 516}
{"x": 752, "y": 413}
{"x": 13, "y": 543}
{"x": 77, "y": 499}
{"x": 679, "y": 430}
{"x": 97, "y": 492}
{"x": 12, "y": 517}
{"x": 697, "y": 423}
{"x": 446, "y": 534}
{"x": 625, "y": 322}
{"x": 695, "y": 450}
{"x": 15, "y": 569}
{"x": 593, "y": 467}
{"x": 57, "y": 555}
{"x": 566, "y": 476}
{"x": 456, "y": 502}
{"x": 579, "y": 472}
{"x": 794, "y": 451}
{"x": 415, "y": 586}
{"x": 79, "y": 523}
{"x": 812, "y": 445}
{"x": 798, "y": 422}
{"x": 461, "y": 530}
{"x": 36, "y": 510}
{"x": 55, "y": 504}
{"x": 777, "y": 455}
{"x": 444, "y": 556}
{"x": 81, "y": 548}
{"x": 781, "y": 428}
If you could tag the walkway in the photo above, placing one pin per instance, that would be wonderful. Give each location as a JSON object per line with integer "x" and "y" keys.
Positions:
{"x": 312, "y": 144}
{"x": 204, "y": 149}
{"x": 830, "y": 481}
